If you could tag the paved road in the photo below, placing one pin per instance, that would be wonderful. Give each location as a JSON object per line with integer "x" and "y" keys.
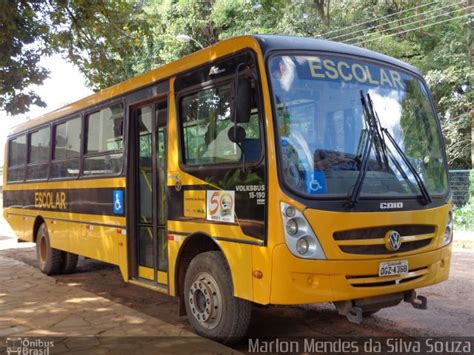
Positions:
{"x": 451, "y": 305}
{"x": 34, "y": 306}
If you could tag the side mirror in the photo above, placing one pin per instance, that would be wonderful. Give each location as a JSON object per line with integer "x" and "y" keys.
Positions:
{"x": 236, "y": 134}
{"x": 243, "y": 99}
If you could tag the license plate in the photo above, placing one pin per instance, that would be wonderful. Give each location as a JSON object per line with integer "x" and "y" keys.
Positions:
{"x": 393, "y": 268}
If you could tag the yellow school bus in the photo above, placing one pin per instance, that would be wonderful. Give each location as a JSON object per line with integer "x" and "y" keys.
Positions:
{"x": 263, "y": 169}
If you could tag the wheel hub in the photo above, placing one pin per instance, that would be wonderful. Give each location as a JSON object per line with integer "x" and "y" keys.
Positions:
{"x": 43, "y": 248}
{"x": 205, "y": 300}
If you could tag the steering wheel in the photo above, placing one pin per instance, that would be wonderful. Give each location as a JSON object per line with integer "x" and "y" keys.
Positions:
{"x": 324, "y": 160}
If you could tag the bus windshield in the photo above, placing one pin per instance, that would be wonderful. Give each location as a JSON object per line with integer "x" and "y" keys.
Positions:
{"x": 323, "y": 127}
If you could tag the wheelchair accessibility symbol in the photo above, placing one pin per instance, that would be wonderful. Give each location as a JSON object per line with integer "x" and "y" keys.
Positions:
{"x": 118, "y": 202}
{"x": 316, "y": 183}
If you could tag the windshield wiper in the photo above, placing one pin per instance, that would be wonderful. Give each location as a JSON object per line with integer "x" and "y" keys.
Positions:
{"x": 382, "y": 160}
{"x": 421, "y": 185}
{"x": 376, "y": 130}
{"x": 354, "y": 197}
{"x": 387, "y": 154}
{"x": 424, "y": 192}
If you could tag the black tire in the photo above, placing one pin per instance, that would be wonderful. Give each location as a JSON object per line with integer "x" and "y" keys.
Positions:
{"x": 208, "y": 277}
{"x": 70, "y": 263}
{"x": 50, "y": 260}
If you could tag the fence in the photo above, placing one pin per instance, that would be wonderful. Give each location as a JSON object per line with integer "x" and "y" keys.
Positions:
{"x": 461, "y": 182}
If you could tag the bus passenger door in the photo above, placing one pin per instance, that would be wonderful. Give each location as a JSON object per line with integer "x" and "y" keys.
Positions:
{"x": 150, "y": 191}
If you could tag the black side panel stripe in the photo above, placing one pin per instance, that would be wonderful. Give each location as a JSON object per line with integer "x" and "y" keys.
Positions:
{"x": 97, "y": 201}
{"x": 250, "y": 216}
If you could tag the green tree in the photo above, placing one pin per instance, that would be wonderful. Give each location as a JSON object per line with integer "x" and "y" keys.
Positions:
{"x": 23, "y": 35}
{"x": 111, "y": 41}
{"x": 436, "y": 38}
{"x": 104, "y": 39}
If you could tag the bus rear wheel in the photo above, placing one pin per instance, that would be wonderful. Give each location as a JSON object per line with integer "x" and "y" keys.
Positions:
{"x": 69, "y": 263}
{"x": 212, "y": 309}
{"x": 50, "y": 260}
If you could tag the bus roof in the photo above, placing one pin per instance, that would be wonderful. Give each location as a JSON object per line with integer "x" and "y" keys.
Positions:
{"x": 266, "y": 43}
{"x": 270, "y": 43}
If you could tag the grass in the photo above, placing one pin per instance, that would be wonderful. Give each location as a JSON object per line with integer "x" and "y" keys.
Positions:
{"x": 464, "y": 216}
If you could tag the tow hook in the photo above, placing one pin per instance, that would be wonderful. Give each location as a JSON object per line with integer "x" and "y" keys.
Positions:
{"x": 353, "y": 313}
{"x": 417, "y": 301}
{"x": 354, "y": 310}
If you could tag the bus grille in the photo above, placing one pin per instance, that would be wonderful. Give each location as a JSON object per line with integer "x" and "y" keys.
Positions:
{"x": 377, "y": 281}
{"x": 370, "y": 241}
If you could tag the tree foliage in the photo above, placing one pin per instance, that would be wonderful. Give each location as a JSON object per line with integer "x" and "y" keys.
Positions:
{"x": 111, "y": 41}
{"x": 22, "y": 37}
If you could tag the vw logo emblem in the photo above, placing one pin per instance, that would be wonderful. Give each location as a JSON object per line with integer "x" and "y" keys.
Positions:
{"x": 393, "y": 240}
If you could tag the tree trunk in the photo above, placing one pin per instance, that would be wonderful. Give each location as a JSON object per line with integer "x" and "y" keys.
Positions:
{"x": 322, "y": 6}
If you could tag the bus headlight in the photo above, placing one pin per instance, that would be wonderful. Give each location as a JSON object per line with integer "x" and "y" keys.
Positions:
{"x": 299, "y": 235}
{"x": 290, "y": 211}
{"x": 448, "y": 233}
{"x": 302, "y": 245}
{"x": 292, "y": 227}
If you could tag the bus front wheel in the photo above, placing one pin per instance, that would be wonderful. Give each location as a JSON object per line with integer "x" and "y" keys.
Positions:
{"x": 50, "y": 260}
{"x": 212, "y": 309}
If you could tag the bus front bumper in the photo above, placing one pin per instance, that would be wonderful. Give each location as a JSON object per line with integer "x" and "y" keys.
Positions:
{"x": 302, "y": 281}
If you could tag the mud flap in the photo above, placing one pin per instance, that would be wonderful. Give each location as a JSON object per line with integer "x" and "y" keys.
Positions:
{"x": 181, "y": 306}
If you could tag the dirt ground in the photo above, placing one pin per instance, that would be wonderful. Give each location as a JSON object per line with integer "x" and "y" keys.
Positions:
{"x": 450, "y": 305}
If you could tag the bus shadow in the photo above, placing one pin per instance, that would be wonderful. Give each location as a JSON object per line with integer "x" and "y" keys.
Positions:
{"x": 268, "y": 322}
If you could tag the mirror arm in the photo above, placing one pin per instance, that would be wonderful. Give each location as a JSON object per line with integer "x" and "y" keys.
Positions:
{"x": 244, "y": 167}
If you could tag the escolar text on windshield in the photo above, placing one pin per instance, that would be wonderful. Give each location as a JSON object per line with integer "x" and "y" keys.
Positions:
{"x": 354, "y": 71}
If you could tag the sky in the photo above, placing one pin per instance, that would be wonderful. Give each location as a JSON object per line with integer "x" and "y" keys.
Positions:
{"x": 65, "y": 85}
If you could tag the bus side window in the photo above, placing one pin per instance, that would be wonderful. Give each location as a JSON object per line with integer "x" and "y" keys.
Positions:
{"x": 38, "y": 154}
{"x": 104, "y": 141}
{"x": 206, "y": 120}
{"x": 66, "y": 149}
{"x": 16, "y": 158}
